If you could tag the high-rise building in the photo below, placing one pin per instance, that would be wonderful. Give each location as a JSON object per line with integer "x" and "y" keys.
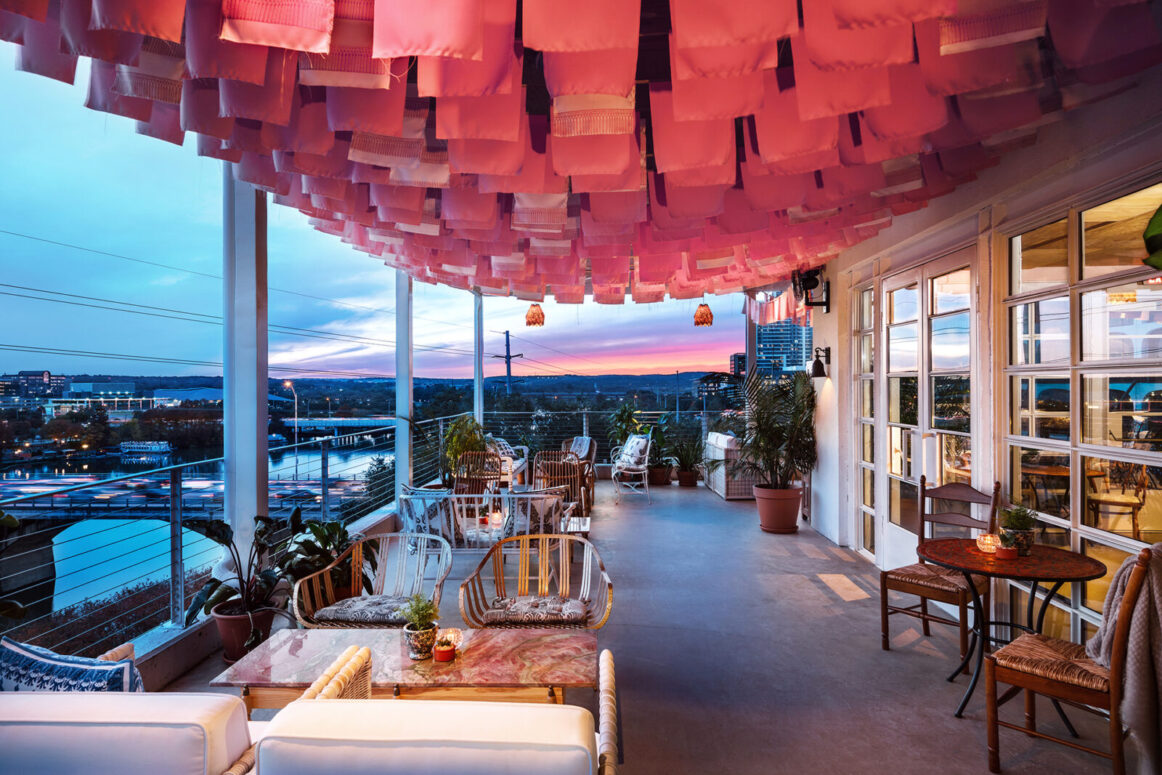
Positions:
{"x": 738, "y": 364}
{"x": 35, "y": 384}
{"x": 781, "y": 347}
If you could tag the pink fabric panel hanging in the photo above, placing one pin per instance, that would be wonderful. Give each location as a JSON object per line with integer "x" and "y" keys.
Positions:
{"x": 163, "y": 124}
{"x": 375, "y": 111}
{"x": 308, "y": 131}
{"x": 857, "y": 14}
{"x": 700, "y": 202}
{"x": 1121, "y": 67}
{"x": 298, "y": 25}
{"x": 595, "y": 154}
{"x": 948, "y": 74}
{"x": 467, "y": 204}
{"x": 102, "y": 97}
{"x": 687, "y": 144}
{"x": 550, "y": 25}
{"x": 348, "y": 62}
{"x": 199, "y": 109}
{"x": 158, "y": 75}
{"x": 495, "y": 117}
{"x": 844, "y": 183}
{"x": 724, "y": 174}
{"x": 491, "y": 74}
{"x": 248, "y": 136}
{"x": 156, "y": 18}
{"x": 107, "y": 45}
{"x": 701, "y": 99}
{"x": 658, "y": 268}
{"x": 983, "y": 24}
{"x": 12, "y": 28}
{"x": 774, "y": 192}
{"x": 985, "y": 117}
{"x": 333, "y": 164}
{"x": 723, "y": 61}
{"x": 800, "y": 164}
{"x": 536, "y": 175}
{"x": 738, "y": 215}
{"x": 822, "y": 94}
{"x": 914, "y": 109}
{"x": 701, "y": 23}
{"x": 618, "y": 206}
{"x": 576, "y": 115}
{"x": 610, "y": 71}
{"x": 1084, "y": 34}
{"x": 42, "y": 53}
{"x": 259, "y": 171}
{"x": 498, "y": 158}
{"x": 779, "y": 131}
{"x": 37, "y": 10}
{"x": 207, "y": 56}
{"x": 270, "y": 102}
{"x": 831, "y": 48}
{"x": 439, "y": 28}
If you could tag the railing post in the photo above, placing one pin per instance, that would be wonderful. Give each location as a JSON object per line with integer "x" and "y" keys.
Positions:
{"x": 440, "y": 446}
{"x": 177, "y": 566}
{"x": 705, "y": 424}
{"x": 324, "y": 449}
{"x": 584, "y": 422}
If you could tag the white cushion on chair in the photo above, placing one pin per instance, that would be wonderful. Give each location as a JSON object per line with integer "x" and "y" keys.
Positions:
{"x": 125, "y": 733}
{"x": 398, "y": 737}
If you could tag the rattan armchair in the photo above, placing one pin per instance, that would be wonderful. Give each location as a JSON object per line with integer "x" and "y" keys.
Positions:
{"x": 478, "y": 472}
{"x": 537, "y": 590}
{"x": 585, "y": 448}
{"x": 561, "y": 468}
{"x": 404, "y": 564}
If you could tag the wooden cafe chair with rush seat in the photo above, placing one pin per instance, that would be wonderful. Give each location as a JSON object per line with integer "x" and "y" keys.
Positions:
{"x": 932, "y": 582}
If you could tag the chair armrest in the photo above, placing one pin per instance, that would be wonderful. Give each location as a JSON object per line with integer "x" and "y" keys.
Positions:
{"x": 347, "y": 678}
{"x": 117, "y": 653}
{"x": 472, "y": 597}
{"x": 317, "y": 586}
{"x": 523, "y": 450}
{"x": 245, "y": 763}
{"x": 606, "y": 585}
{"x": 608, "y": 742}
{"x": 615, "y": 453}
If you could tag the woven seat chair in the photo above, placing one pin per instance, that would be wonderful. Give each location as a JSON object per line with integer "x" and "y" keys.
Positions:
{"x": 347, "y": 678}
{"x": 561, "y": 468}
{"x": 405, "y": 563}
{"x": 537, "y": 590}
{"x": 631, "y": 465}
{"x": 932, "y": 582}
{"x": 585, "y": 448}
{"x": 1060, "y": 669}
{"x": 429, "y": 511}
{"x": 478, "y": 472}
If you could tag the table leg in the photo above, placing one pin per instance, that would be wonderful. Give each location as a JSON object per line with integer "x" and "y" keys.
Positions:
{"x": 967, "y": 656}
{"x": 1040, "y": 624}
{"x": 977, "y": 643}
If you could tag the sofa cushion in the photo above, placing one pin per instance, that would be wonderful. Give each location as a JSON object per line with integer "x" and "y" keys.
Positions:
{"x": 125, "y": 733}
{"x": 25, "y": 668}
{"x": 371, "y": 609}
{"x": 388, "y": 737}
{"x": 533, "y": 609}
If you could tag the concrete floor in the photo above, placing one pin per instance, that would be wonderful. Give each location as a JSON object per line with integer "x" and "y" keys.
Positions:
{"x": 742, "y": 652}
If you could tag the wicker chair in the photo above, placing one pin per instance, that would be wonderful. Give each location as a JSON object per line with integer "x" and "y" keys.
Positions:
{"x": 931, "y": 582}
{"x": 585, "y": 448}
{"x": 478, "y": 472}
{"x": 537, "y": 590}
{"x": 631, "y": 465}
{"x": 347, "y": 678}
{"x": 1061, "y": 670}
{"x": 403, "y": 562}
{"x": 561, "y": 468}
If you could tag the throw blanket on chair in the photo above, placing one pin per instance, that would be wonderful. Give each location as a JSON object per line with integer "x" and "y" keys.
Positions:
{"x": 1142, "y": 693}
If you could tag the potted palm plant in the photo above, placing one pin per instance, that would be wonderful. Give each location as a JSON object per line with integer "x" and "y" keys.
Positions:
{"x": 778, "y": 446}
{"x": 462, "y": 435}
{"x": 688, "y": 454}
{"x": 661, "y": 465}
{"x": 622, "y": 423}
{"x": 420, "y": 630}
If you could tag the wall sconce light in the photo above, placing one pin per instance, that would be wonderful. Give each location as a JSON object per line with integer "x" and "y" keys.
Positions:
{"x": 822, "y": 361}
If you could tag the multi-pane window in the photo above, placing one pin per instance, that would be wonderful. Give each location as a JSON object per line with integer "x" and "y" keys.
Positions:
{"x": 865, "y": 336}
{"x": 950, "y": 389}
{"x": 903, "y": 315}
{"x": 1084, "y": 389}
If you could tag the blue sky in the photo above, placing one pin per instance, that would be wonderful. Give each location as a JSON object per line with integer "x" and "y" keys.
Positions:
{"x": 84, "y": 178}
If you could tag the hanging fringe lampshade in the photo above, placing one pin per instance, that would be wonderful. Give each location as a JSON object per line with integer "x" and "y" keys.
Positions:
{"x": 535, "y": 316}
{"x": 703, "y": 316}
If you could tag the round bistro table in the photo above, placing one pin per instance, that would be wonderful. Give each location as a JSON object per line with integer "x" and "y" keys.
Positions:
{"x": 1046, "y": 565}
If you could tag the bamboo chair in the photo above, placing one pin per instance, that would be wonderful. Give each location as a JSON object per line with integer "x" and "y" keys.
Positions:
{"x": 932, "y": 582}
{"x": 1060, "y": 669}
{"x": 537, "y": 590}
{"x": 585, "y": 448}
{"x": 561, "y": 468}
{"x": 404, "y": 563}
{"x": 478, "y": 472}
{"x": 631, "y": 465}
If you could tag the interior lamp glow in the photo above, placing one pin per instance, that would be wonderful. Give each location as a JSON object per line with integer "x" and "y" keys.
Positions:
{"x": 535, "y": 316}
{"x": 703, "y": 316}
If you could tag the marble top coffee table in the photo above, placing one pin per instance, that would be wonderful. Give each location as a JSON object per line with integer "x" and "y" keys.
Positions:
{"x": 517, "y": 665}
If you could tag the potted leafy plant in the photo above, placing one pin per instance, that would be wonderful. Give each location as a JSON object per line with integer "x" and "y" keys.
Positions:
{"x": 622, "y": 422}
{"x": 462, "y": 435}
{"x": 245, "y": 602}
{"x": 1007, "y": 550}
{"x": 10, "y": 609}
{"x": 688, "y": 454}
{"x": 314, "y": 544}
{"x": 1019, "y": 523}
{"x": 778, "y": 445}
{"x": 420, "y": 630}
{"x": 444, "y": 650}
{"x": 661, "y": 466}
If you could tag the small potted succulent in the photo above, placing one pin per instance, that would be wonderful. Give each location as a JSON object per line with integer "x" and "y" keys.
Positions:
{"x": 1007, "y": 548}
{"x": 1019, "y": 522}
{"x": 420, "y": 630}
{"x": 444, "y": 650}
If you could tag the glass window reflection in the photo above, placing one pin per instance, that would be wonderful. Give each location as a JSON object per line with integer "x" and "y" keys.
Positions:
{"x": 951, "y": 403}
{"x": 1124, "y": 321}
{"x": 950, "y": 342}
{"x": 903, "y": 347}
{"x": 1123, "y": 411}
{"x": 1039, "y": 479}
{"x": 1040, "y": 331}
{"x": 1038, "y": 258}
{"x": 1112, "y": 236}
{"x": 951, "y": 292}
{"x": 1094, "y": 594}
{"x": 1124, "y": 498}
{"x": 902, "y": 400}
{"x": 1041, "y": 407}
{"x": 903, "y": 304}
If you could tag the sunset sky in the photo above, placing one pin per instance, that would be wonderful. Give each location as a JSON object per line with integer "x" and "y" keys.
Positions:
{"x": 117, "y": 204}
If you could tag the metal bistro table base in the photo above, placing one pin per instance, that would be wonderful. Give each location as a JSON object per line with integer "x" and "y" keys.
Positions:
{"x": 1047, "y": 564}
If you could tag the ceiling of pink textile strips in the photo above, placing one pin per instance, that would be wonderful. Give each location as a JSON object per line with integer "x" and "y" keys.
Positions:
{"x": 615, "y": 149}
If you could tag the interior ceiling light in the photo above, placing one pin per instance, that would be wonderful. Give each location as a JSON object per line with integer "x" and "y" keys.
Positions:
{"x": 535, "y": 316}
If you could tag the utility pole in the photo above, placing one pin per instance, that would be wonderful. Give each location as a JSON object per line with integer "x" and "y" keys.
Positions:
{"x": 677, "y": 396}
{"x": 508, "y": 356}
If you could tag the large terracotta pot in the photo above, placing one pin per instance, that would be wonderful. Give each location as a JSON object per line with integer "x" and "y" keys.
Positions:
{"x": 778, "y": 509}
{"x": 659, "y": 476}
{"x": 235, "y": 627}
{"x": 687, "y": 478}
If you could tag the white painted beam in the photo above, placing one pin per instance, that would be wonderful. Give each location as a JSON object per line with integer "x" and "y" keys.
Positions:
{"x": 478, "y": 358}
{"x": 404, "y": 404}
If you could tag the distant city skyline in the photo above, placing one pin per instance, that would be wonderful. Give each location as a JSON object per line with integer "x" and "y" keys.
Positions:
{"x": 110, "y": 243}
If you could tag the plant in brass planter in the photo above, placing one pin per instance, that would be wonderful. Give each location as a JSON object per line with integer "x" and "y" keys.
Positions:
{"x": 1007, "y": 550}
{"x": 421, "y": 626}
{"x": 1018, "y": 523}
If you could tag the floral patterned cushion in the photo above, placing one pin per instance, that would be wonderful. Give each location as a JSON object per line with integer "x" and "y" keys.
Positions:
{"x": 531, "y": 609}
{"x": 372, "y": 609}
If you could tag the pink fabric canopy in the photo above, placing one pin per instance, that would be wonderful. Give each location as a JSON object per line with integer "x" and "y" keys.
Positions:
{"x": 594, "y": 148}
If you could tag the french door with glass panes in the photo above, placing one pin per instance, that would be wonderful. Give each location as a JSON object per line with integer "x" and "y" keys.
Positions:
{"x": 924, "y": 416}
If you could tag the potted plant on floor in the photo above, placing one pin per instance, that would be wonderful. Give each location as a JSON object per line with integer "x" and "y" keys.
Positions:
{"x": 246, "y": 598}
{"x": 314, "y": 544}
{"x": 623, "y": 422}
{"x": 420, "y": 630}
{"x": 778, "y": 445}
{"x": 462, "y": 435}
{"x": 661, "y": 465}
{"x": 1019, "y": 522}
{"x": 688, "y": 454}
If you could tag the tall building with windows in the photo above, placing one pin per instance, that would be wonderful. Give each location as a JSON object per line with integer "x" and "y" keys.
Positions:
{"x": 738, "y": 364}
{"x": 781, "y": 347}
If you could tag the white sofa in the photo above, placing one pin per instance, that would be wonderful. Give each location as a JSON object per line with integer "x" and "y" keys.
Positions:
{"x": 131, "y": 733}
{"x": 720, "y": 479}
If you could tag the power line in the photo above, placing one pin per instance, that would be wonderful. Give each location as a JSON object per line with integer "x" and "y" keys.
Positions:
{"x": 554, "y": 349}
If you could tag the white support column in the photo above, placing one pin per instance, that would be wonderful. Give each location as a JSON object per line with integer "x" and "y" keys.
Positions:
{"x": 478, "y": 358}
{"x": 751, "y": 345}
{"x": 403, "y": 381}
{"x": 244, "y": 373}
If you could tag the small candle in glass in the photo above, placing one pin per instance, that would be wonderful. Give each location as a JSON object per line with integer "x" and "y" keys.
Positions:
{"x": 988, "y": 542}
{"x": 496, "y": 520}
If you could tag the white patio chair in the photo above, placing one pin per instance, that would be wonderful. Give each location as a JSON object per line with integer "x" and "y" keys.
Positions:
{"x": 513, "y": 460}
{"x": 631, "y": 465}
